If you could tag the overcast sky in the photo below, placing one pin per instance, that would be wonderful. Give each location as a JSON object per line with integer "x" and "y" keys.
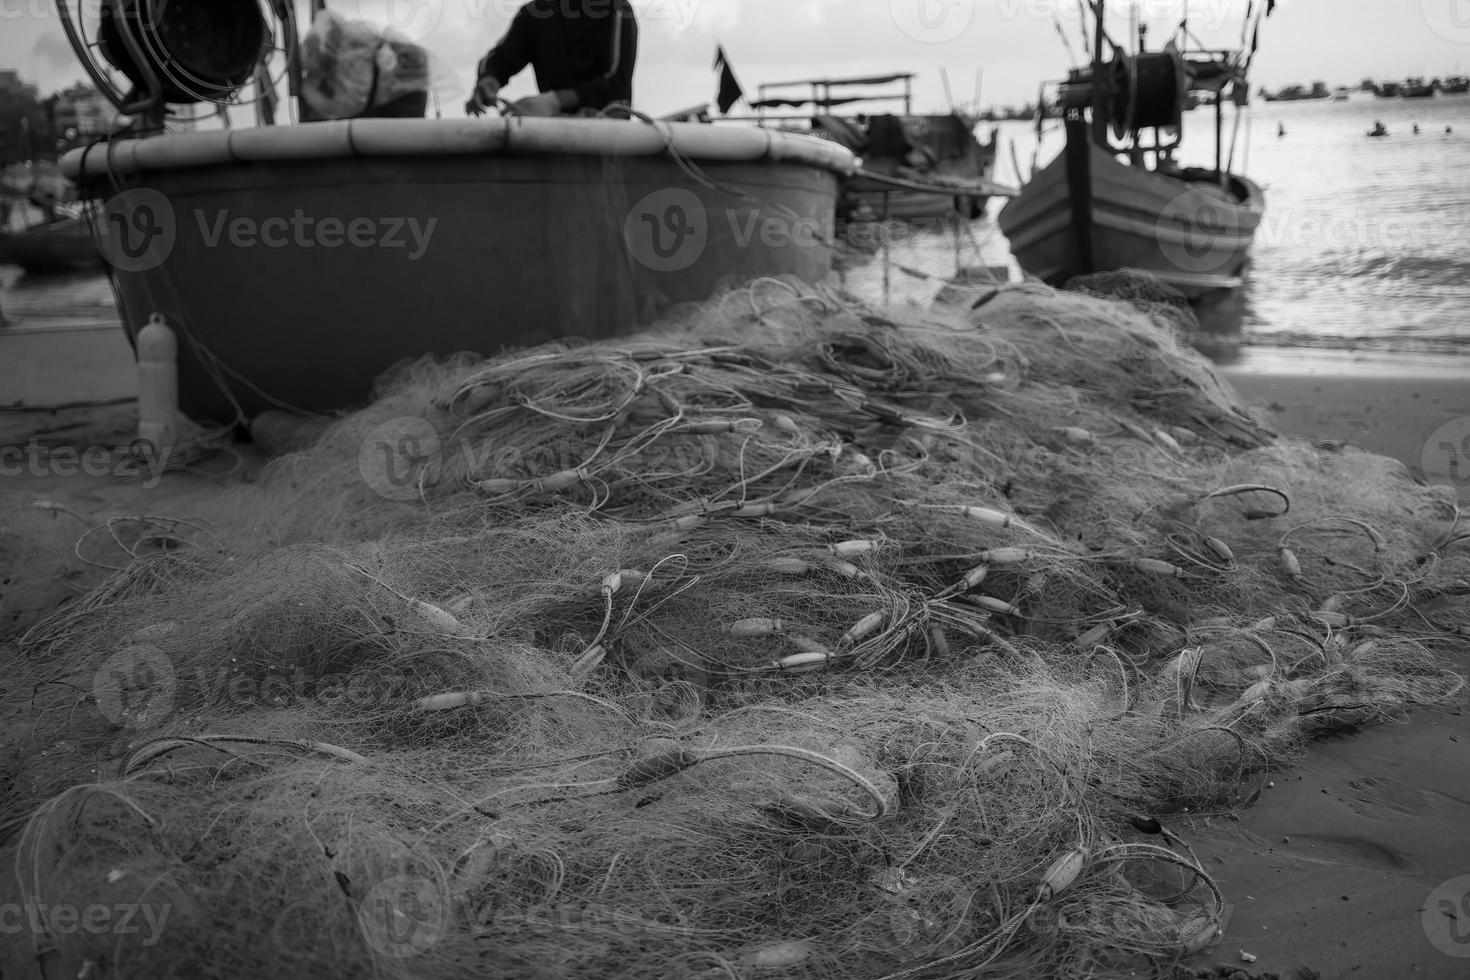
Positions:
{"x": 1014, "y": 42}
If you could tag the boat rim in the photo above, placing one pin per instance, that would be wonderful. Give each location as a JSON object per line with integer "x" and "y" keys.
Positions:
{"x": 490, "y": 136}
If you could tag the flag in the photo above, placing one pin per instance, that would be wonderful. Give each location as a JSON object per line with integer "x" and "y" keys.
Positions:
{"x": 730, "y": 90}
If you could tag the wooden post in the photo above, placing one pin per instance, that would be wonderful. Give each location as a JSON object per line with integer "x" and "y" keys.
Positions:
{"x": 1079, "y": 186}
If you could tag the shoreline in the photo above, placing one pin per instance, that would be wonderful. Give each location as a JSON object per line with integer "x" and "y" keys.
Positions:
{"x": 1411, "y": 407}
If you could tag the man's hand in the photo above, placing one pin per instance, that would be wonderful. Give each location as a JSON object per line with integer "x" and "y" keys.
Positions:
{"x": 486, "y": 90}
{"x": 545, "y": 104}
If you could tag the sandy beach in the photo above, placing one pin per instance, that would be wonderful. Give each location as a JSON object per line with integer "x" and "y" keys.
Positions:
{"x": 1339, "y": 867}
{"x": 1414, "y": 408}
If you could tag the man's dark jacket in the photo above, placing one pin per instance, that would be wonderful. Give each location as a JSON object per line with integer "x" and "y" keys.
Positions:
{"x": 588, "y": 46}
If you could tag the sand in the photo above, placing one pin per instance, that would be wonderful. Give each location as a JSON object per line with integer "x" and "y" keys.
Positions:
{"x": 1335, "y": 867}
{"x": 1415, "y": 408}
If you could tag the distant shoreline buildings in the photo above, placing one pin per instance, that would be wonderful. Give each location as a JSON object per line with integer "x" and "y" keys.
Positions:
{"x": 33, "y": 127}
{"x": 1412, "y": 87}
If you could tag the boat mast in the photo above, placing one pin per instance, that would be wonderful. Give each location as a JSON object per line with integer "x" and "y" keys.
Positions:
{"x": 1219, "y": 132}
{"x": 1079, "y": 151}
{"x": 1099, "y": 117}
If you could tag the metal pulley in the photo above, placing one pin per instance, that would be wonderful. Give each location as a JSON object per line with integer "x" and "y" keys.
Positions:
{"x": 182, "y": 51}
{"x": 1146, "y": 91}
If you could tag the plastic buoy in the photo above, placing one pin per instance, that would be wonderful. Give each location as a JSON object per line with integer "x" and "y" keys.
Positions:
{"x": 158, "y": 384}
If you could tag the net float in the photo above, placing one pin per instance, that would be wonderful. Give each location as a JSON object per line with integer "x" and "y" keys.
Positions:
{"x": 863, "y": 627}
{"x": 1291, "y": 566}
{"x": 755, "y": 627}
{"x": 1062, "y": 873}
{"x": 801, "y": 663}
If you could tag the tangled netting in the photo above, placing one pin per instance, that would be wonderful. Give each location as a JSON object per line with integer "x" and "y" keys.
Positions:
{"x": 1144, "y": 291}
{"x": 795, "y": 638}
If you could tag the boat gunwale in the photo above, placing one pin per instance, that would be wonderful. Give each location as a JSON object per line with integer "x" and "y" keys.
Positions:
{"x": 435, "y": 138}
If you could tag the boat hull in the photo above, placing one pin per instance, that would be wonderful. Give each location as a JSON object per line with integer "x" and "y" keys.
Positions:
{"x": 1186, "y": 230}
{"x": 453, "y": 253}
{"x": 915, "y": 206}
{"x": 62, "y": 246}
{"x": 917, "y": 150}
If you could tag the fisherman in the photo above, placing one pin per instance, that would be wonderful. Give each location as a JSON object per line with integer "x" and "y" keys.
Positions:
{"x": 1416, "y": 129}
{"x": 1378, "y": 128}
{"x": 1280, "y": 130}
{"x": 583, "y": 52}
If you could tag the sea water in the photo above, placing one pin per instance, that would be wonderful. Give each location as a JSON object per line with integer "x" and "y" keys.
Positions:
{"x": 1365, "y": 243}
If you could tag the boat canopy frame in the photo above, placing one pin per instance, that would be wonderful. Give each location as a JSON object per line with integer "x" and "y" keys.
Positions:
{"x": 821, "y": 92}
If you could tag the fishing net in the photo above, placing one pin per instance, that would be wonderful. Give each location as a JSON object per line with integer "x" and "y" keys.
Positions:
{"x": 797, "y": 637}
{"x": 1142, "y": 290}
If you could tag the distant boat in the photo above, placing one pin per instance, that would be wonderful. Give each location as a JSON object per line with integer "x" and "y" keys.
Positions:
{"x": 1455, "y": 85}
{"x": 1292, "y": 93}
{"x": 915, "y": 167}
{"x": 1298, "y": 93}
{"x": 1388, "y": 90}
{"x": 1417, "y": 88}
{"x": 953, "y": 176}
{"x": 1089, "y": 212}
{"x": 1341, "y": 94}
{"x": 63, "y": 245}
{"x": 42, "y": 226}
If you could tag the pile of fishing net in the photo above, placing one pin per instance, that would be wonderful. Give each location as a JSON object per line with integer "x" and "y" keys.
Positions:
{"x": 794, "y": 638}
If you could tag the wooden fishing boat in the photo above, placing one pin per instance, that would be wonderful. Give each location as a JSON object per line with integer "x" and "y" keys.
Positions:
{"x": 296, "y": 263}
{"x": 916, "y": 167}
{"x": 1418, "y": 88}
{"x": 922, "y": 167}
{"x": 66, "y": 244}
{"x": 1115, "y": 199}
{"x": 43, "y": 229}
{"x": 1455, "y": 85}
{"x": 1182, "y": 226}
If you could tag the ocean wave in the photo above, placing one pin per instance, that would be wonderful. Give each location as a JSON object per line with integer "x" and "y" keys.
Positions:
{"x": 1417, "y": 270}
{"x": 1383, "y": 343}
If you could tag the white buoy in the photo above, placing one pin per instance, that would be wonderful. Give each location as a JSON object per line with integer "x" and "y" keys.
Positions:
{"x": 158, "y": 384}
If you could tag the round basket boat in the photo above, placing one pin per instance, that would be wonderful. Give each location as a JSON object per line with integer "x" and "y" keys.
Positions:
{"x": 297, "y": 263}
